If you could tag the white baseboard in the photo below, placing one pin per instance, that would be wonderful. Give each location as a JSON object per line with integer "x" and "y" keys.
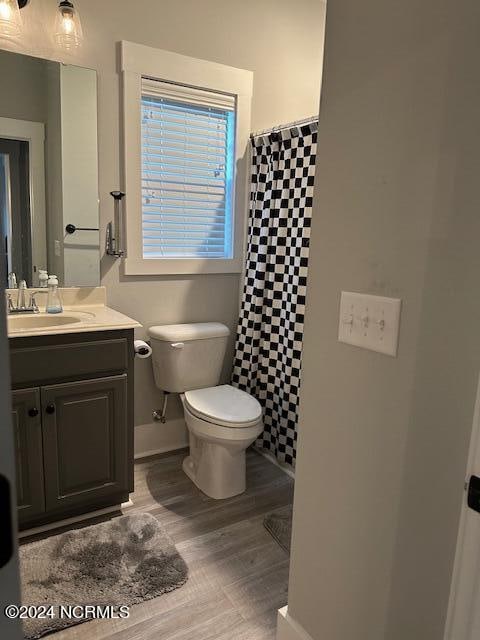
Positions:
{"x": 155, "y": 437}
{"x": 288, "y": 628}
{"x": 74, "y": 520}
{"x": 286, "y": 469}
{"x": 156, "y": 452}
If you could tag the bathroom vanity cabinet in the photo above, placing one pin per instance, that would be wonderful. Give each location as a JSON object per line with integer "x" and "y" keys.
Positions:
{"x": 73, "y": 421}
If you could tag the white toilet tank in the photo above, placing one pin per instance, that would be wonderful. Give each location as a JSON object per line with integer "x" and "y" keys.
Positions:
{"x": 188, "y": 356}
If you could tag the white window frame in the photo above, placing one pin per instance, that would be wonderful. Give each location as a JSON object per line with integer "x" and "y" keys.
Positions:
{"x": 139, "y": 61}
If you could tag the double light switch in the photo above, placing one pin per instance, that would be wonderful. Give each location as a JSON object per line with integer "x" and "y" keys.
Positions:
{"x": 371, "y": 322}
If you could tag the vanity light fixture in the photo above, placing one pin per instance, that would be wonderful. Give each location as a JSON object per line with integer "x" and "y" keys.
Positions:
{"x": 10, "y": 19}
{"x": 68, "y": 28}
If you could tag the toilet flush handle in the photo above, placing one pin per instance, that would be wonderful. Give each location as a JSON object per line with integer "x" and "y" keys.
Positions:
{"x": 177, "y": 345}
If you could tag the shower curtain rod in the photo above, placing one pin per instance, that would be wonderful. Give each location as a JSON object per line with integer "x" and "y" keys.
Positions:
{"x": 288, "y": 125}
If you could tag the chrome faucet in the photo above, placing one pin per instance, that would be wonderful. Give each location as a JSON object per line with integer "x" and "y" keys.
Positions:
{"x": 22, "y": 307}
{"x": 11, "y": 306}
{"x": 33, "y": 303}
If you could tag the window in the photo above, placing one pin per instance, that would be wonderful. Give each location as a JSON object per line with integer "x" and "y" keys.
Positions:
{"x": 186, "y": 137}
{"x": 188, "y": 154}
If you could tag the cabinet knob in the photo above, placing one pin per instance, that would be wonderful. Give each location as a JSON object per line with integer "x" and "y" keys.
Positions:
{"x": 50, "y": 408}
{"x": 33, "y": 413}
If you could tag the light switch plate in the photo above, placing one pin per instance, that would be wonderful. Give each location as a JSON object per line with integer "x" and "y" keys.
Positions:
{"x": 370, "y": 322}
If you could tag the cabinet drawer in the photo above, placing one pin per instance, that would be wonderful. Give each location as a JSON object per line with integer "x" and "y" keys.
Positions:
{"x": 50, "y": 362}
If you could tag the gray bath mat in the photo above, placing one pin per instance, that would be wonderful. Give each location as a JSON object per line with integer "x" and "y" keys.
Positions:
{"x": 279, "y": 525}
{"x": 120, "y": 562}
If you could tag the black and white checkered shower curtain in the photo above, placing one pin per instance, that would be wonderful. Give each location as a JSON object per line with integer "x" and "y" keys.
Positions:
{"x": 268, "y": 348}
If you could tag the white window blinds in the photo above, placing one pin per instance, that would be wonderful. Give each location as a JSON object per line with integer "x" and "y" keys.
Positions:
{"x": 188, "y": 152}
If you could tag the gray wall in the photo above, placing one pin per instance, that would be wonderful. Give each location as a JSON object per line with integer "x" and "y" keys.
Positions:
{"x": 280, "y": 40}
{"x": 383, "y": 442}
{"x": 22, "y": 95}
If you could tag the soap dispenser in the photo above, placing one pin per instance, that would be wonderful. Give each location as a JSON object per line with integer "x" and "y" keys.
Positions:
{"x": 54, "y": 304}
{"x": 43, "y": 278}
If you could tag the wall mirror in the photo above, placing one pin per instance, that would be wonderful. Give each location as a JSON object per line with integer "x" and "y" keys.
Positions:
{"x": 49, "y": 170}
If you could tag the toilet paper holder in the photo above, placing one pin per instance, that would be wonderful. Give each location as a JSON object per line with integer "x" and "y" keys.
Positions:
{"x": 142, "y": 349}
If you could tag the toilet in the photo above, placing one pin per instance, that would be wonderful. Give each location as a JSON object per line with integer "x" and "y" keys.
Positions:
{"x": 222, "y": 420}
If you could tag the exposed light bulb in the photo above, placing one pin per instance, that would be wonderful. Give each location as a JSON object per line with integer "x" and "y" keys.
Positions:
{"x": 67, "y": 25}
{"x": 10, "y": 20}
{"x": 68, "y": 28}
{"x": 5, "y": 11}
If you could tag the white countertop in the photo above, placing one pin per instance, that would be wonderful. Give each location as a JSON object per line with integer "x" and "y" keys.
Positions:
{"x": 76, "y": 317}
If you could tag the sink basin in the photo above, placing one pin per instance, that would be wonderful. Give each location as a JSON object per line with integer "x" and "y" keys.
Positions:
{"x": 44, "y": 321}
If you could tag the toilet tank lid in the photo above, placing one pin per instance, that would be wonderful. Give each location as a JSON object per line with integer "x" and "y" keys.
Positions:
{"x": 185, "y": 332}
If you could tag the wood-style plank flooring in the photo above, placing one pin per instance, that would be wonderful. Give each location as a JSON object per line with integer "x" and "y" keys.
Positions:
{"x": 238, "y": 574}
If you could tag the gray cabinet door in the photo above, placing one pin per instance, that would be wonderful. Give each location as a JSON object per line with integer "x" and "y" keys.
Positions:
{"x": 85, "y": 442}
{"x": 27, "y": 430}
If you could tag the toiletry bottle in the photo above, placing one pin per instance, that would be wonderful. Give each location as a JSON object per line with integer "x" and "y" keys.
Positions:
{"x": 22, "y": 299}
{"x": 12, "y": 281}
{"x": 42, "y": 278}
{"x": 54, "y": 304}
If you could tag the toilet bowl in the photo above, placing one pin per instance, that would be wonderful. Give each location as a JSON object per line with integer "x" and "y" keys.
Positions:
{"x": 222, "y": 420}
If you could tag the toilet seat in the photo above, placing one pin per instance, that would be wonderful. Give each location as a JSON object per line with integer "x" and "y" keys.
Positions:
{"x": 224, "y": 405}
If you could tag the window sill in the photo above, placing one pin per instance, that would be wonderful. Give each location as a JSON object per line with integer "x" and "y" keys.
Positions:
{"x": 180, "y": 266}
